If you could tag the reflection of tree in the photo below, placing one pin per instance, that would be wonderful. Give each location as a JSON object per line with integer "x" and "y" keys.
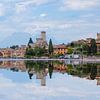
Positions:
{"x": 93, "y": 71}
{"x": 50, "y": 68}
{"x": 39, "y": 67}
{"x": 84, "y": 70}
{"x": 14, "y": 69}
{"x": 35, "y": 66}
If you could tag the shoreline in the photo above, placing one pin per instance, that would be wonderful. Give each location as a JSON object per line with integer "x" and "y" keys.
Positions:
{"x": 51, "y": 59}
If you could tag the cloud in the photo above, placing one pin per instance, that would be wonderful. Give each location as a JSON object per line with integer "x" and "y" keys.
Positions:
{"x": 20, "y": 8}
{"x": 59, "y": 87}
{"x": 43, "y": 15}
{"x": 2, "y": 10}
{"x": 79, "y": 4}
{"x": 23, "y": 6}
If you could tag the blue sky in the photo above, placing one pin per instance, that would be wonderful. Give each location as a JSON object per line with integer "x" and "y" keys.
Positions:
{"x": 63, "y": 20}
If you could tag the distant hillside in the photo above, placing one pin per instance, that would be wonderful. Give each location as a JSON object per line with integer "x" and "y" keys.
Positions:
{"x": 20, "y": 38}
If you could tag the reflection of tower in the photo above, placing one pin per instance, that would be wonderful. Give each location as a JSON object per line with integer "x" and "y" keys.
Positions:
{"x": 43, "y": 35}
{"x": 43, "y": 81}
{"x": 41, "y": 75}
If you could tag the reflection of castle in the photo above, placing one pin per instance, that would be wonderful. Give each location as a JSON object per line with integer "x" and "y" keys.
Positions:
{"x": 41, "y": 69}
{"x": 33, "y": 70}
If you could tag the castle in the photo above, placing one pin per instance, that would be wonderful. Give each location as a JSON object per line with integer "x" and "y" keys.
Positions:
{"x": 40, "y": 42}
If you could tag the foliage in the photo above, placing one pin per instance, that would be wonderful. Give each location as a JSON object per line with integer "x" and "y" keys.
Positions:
{"x": 50, "y": 49}
{"x": 50, "y": 69}
{"x": 14, "y": 47}
{"x": 70, "y": 50}
{"x": 93, "y": 47}
{"x": 30, "y": 41}
{"x": 36, "y": 52}
{"x": 86, "y": 49}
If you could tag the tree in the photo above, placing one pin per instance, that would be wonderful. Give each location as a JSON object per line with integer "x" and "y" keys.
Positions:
{"x": 29, "y": 52}
{"x": 51, "y": 69}
{"x": 93, "y": 71}
{"x": 50, "y": 47}
{"x": 69, "y": 51}
{"x": 39, "y": 51}
{"x": 86, "y": 49}
{"x": 14, "y": 47}
{"x": 30, "y": 42}
{"x": 93, "y": 47}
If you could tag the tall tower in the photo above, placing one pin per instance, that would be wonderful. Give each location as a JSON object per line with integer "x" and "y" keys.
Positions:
{"x": 43, "y": 35}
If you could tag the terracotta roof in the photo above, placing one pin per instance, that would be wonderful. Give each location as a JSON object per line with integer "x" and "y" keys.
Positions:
{"x": 59, "y": 46}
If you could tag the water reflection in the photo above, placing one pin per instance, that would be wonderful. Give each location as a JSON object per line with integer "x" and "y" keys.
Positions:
{"x": 41, "y": 69}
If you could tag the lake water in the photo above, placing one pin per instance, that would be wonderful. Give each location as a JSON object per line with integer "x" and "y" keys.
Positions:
{"x": 49, "y": 80}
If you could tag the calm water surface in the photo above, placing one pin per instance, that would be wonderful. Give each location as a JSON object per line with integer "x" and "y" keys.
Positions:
{"x": 49, "y": 80}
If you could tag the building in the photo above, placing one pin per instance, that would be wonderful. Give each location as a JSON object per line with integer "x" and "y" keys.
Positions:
{"x": 88, "y": 40}
{"x": 98, "y": 42}
{"x": 60, "y": 49}
{"x": 9, "y": 52}
{"x": 40, "y": 41}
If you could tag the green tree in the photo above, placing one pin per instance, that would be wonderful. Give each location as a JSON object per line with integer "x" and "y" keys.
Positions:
{"x": 86, "y": 49}
{"x": 93, "y": 47}
{"x": 29, "y": 53}
{"x": 50, "y": 50}
{"x": 70, "y": 51}
{"x": 14, "y": 47}
{"x": 39, "y": 51}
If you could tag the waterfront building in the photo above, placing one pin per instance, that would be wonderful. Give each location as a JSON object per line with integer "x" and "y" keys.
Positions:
{"x": 9, "y": 52}
{"x": 60, "y": 49}
{"x": 98, "y": 42}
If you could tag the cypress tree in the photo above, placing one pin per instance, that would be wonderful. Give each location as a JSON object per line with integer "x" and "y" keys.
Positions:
{"x": 50, "y": 50}
{"x": 93, "y": 47}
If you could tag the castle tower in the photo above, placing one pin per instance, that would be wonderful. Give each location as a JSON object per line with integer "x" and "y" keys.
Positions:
{"x": 43, "y": 35}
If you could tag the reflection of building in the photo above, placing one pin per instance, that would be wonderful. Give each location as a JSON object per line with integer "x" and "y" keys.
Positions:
{"x": 41, "y": 70}
{"x": 98, "y": 75}
{"x": 60, "y": 49}
{"x": 20, "y": 65}
{"x": 41, "y": 75}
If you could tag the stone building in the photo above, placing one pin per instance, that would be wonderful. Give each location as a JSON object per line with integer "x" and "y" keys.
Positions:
{"x": 9, "y": 52}
{"x": 98, "y": 42}
{"x": 40, "y": 42}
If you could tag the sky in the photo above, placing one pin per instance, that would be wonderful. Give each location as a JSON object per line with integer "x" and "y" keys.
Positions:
{"x": 63, "y": 20}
